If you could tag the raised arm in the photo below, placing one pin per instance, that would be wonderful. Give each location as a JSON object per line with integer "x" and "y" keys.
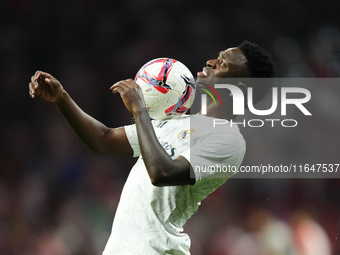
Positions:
{"x": 162, "y": 169}
{"x": 93, "y": 133}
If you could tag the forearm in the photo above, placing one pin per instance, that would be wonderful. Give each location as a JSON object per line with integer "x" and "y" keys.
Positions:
{"x": 88, "y": 129}
{"x": 94, "y": 134}
{"x": 155, "y": 157}
{"x": 162, "y": 169}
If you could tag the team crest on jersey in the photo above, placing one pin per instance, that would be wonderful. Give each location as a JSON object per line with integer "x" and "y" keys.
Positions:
{"x": 185, "y": 134}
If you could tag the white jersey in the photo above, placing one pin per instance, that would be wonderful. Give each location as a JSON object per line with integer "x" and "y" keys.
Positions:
{"x": 149, "y": 220}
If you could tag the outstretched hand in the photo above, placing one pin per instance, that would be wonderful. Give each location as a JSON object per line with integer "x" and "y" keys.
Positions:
{"x": 45, "y": 86}
{"x": 131, "y": 94}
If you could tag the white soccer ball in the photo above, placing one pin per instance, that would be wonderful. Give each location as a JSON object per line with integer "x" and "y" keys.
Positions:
{"x": 168, "y": 87}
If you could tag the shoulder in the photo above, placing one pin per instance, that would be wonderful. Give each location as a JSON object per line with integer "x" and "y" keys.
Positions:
{"x": 208, "y": 128}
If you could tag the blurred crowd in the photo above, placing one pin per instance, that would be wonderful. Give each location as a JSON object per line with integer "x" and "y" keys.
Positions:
{"x": 58, "y": 198}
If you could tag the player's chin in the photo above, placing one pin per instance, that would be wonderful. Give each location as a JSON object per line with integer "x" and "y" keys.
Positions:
{"x": 202, "y": 80}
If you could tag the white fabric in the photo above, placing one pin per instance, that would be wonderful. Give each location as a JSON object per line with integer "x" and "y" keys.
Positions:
{"x": 149, "y": 219}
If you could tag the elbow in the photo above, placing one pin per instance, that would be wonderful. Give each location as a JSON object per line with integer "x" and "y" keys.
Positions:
{"x": 94, "y": 149}
{"x": 157, "y": 183}
{"x": 160, "y": 179}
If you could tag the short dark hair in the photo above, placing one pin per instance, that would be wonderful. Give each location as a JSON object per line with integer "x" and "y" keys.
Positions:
{"x": 258, "y": 65}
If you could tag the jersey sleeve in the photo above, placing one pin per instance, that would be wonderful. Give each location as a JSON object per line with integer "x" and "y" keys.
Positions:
{"x": 216, "y": 156}
{"x": 131, "y": 133}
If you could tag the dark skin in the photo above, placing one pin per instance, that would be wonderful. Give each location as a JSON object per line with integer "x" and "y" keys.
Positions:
{"x": 230, "y": 63}
{"x": 162, "y": 169}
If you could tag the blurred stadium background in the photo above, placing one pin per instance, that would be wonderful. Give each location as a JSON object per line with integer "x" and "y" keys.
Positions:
{"x": 58, "y": 198}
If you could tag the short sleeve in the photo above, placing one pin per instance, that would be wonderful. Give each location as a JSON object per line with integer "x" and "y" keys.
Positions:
{"x": 131, "y": 133}
{"x": 216, "y": 155}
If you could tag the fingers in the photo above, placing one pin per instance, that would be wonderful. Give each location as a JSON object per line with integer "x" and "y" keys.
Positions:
{"x": 115, "y": 88}
{"x": 34, "y": 84}
{"x": 39, "y": 75}
{"x": 121, "y": 86}
{"x": 31, "y": 90}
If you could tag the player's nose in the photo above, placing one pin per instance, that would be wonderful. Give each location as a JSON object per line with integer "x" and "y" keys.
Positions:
{"x": 211, "y": 63}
